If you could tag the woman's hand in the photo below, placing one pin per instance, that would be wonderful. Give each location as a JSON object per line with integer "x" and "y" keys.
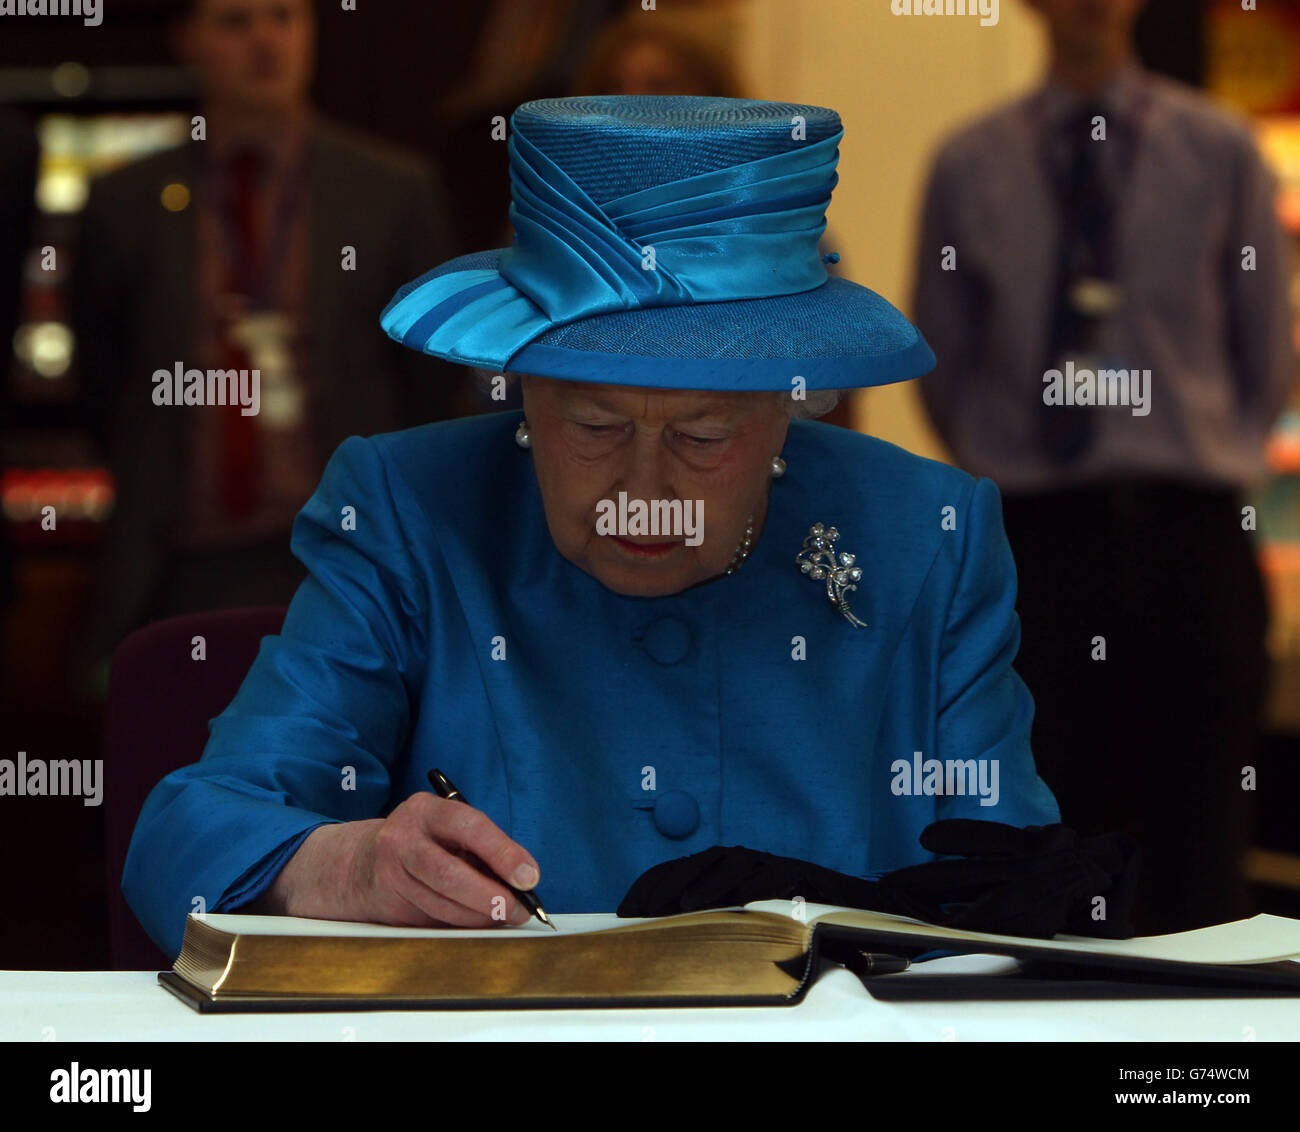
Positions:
{"x": 420, "y": 866}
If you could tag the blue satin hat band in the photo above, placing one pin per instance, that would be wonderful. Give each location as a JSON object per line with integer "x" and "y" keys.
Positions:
{"x": 718, "y": 248}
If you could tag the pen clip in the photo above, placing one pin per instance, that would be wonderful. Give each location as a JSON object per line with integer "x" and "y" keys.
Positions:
{"x": 865, "y": 964}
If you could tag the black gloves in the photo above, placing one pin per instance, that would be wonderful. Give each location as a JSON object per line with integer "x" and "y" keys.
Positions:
{"x": 719, "y": 877}
{"x": 1033, "y": 882}
{"x": 1036, "y": 881}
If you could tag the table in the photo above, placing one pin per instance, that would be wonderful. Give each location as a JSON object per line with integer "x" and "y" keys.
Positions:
{"x": 131, "y": 1006}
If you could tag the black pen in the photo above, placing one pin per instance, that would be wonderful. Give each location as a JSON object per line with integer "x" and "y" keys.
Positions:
{"x": 443, "y": 787}
{"x": 874, "y": 964}
{"x": 861, "y": 962}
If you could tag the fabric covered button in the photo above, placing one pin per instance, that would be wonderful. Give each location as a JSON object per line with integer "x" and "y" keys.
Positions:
{"x": 677, "y": 814}
{"x": 667, "y": 640}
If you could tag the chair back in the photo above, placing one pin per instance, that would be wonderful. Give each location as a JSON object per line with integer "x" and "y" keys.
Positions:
{"x": 160, "y": 700}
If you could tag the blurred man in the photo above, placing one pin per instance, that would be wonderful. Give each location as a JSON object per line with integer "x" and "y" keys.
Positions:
{"x": 270, "y": 243}
{"x": 1103, "y": 279}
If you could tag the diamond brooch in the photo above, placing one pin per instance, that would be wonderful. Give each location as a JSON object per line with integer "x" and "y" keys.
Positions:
{"x": 821, "y": 562}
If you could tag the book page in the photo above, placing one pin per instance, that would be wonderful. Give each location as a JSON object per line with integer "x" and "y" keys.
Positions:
{"x": 243, "y": 924}
{"x": 1261, "y": 939}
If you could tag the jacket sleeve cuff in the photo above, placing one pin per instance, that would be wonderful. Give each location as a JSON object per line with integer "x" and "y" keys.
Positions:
{"x": 262, "y": 875}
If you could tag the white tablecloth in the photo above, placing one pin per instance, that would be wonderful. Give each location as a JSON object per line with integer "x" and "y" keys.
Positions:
{"x": 131, "y": 1006}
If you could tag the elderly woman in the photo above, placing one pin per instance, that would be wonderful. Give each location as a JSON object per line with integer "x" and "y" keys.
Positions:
{"x": 653, "y": 615}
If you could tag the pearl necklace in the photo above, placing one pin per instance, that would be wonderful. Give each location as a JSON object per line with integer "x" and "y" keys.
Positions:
{"x": 742, "y": 551}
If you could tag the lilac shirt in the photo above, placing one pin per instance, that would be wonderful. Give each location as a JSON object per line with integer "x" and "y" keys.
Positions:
{"x": 1217, "y": 338}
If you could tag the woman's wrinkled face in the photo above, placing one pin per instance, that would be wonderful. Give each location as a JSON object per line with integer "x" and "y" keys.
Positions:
{"x": 709, "y": 452}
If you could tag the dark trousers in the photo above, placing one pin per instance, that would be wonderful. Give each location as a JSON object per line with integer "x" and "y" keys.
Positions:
{"x": 1153, "y": 739}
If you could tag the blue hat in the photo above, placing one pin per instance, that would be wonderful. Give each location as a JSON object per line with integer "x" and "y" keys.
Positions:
{"x": 667, "y": 242}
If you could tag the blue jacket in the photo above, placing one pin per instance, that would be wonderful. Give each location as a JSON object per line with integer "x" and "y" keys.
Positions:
{"x": 607, "y": 733}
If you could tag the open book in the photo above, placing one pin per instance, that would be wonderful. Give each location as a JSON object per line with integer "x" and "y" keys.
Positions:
{"x": 767, "y": 953}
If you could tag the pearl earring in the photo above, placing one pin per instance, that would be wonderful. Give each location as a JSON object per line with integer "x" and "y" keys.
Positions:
{"x": 778, "y": 467}
{"x": 523, "y": 437}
